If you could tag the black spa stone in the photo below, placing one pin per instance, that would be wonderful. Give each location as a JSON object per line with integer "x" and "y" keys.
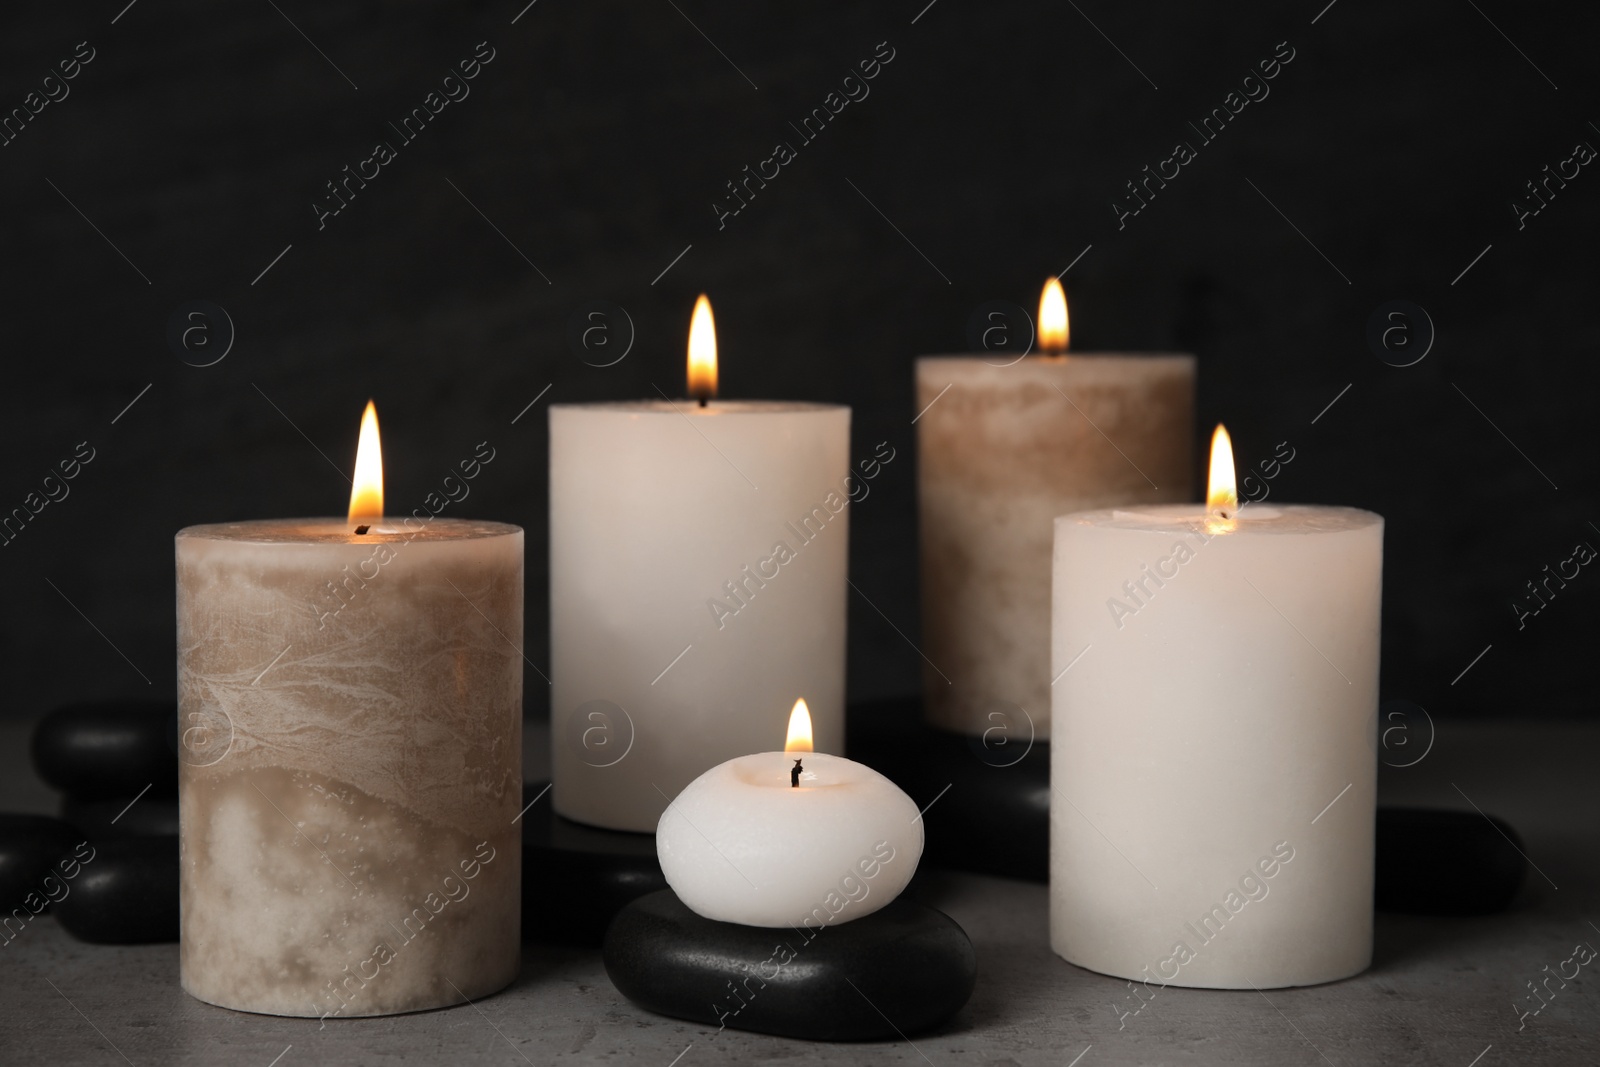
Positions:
{"x": 575, "y": 878}
{"x": 898, "y": 971}
{"x": 126, "y": 895}
{"x": 994, "y": 817}
{"x": 109, "y": 749}
{"x": 120, "y": 817}
{"x": 30, "y": 846}
{"x": 1446, "y": 862}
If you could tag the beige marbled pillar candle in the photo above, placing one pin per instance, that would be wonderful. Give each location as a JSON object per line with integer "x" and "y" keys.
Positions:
{"x": 351, "y": 763}
{"x": 1005, "y": 446}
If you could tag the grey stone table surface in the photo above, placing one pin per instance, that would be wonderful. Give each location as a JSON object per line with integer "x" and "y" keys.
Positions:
{"x": 1440, "y": 991}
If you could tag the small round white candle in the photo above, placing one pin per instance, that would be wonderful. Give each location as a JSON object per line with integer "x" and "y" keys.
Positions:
{"x": 749, "y": 843}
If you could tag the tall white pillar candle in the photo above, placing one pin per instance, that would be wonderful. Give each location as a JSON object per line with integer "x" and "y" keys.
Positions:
{"x": 697, "y": 582}
{"x": 1213, "y": 765}
{"x": 1005, "y": 445}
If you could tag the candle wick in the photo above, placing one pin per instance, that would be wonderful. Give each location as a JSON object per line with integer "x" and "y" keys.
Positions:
{"x": 794, "y": 775}
{"x": 363, "y": 528}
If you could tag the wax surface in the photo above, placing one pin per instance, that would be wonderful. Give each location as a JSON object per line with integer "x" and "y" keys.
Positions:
{"x": 350, "y": 763}
{"x": 741, "y": 845}
{"x": 1000, "y": 454}
{"x": 1214, "y": 763}
{"x": 697, "y": 587}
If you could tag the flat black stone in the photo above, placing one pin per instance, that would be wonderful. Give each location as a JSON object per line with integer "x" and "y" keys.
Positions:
{"x": 1446, "y": 862}
{"x": 115, "y": 819}
{"x": 995, "y": 816}
{"x": 30, "y": 846}
{"x": 576, "y": 878}
{"x": 898, "y": 971}
{"x": 109, "y": 749}
{"x": 126, "y": 895}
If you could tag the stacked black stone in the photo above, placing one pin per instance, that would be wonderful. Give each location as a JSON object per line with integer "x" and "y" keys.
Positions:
{"x": 108, "y": 869}
{"x": 103, "y": 757}
{"x": 899, "y": 971}
{"x": 30, "y": 846}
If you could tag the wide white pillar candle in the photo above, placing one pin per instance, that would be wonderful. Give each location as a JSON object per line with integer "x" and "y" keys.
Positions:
{"x": 742, "y": 844}
{"x": 350, "y": 716}
{"x": 697, "y": 572}
{"x": 1002, "y": 450}
{"x": 1213, "y": 766}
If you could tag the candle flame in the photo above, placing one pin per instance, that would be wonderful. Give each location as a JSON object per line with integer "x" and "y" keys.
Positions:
{"x": 799, "y": 728}
{"x": 1053, "y": 328}
{"x": 1222, "y": 493}
{"x": 702, "y": 351}
{"x": 366, "y": 493}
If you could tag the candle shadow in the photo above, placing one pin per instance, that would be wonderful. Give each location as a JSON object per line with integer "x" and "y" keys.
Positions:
{"x": 1399, "y": 941}
{"x": 541, "y": 963}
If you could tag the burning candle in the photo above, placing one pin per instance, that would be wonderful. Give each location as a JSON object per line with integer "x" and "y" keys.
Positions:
{"x": 793, "y": 838}
{"x": 1214, "y": 765}
{"x": 1005, "y": 446}
{"x": 698, "y": 553}
{"x": 349, "y": 697}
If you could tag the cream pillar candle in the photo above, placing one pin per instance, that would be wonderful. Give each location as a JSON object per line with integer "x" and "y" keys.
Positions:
{"x": 1003, "y": 448}
{"x": 698, "y": 556}
{"x": 1213, "y": 765}
{"x": 350, "y": 714}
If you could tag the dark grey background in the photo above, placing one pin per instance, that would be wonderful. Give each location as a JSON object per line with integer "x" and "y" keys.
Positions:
{"x": 597, "y": 140}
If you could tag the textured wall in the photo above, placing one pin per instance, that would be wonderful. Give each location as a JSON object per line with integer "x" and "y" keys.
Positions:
{"x": 990, "y": 152}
